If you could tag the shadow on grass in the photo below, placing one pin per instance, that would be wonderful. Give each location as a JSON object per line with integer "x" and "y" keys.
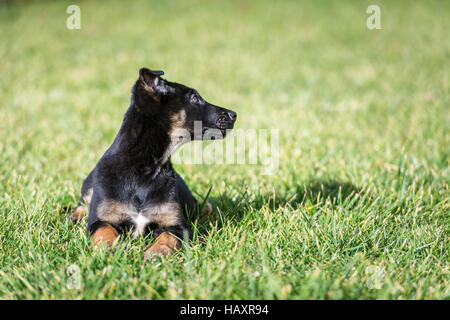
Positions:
{"x": 309, "y": 193}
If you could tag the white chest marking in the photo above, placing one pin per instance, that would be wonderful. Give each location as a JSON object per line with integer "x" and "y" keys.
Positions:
{"x": 141, "y": 223}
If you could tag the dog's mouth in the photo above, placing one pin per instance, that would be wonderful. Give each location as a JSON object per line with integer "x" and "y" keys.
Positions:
{"x": 224, "y": 123}
{"x": 219, "y": 127}
{"x": 216, "y": 132}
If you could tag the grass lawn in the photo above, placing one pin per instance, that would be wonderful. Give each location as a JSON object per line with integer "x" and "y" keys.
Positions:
{"x": 357, "y": 209}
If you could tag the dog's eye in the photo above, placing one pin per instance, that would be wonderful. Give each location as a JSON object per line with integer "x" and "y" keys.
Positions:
{"x": 194, "y": 99}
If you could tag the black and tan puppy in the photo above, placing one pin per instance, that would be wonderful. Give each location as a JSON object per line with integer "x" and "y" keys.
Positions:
{"x": 134, "y": 186}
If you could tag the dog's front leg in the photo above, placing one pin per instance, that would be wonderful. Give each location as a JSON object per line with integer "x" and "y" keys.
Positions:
{"x": 165, "y": 245}
{"x": 106, "y": 234}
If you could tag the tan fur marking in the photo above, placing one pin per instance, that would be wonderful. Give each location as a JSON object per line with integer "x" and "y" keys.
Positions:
{"x": 166, "y": 214}
{"x": 165, "y": 245}
{"x": 149, "y": 89}
{"x": 114, "y": 212}
{"x": 88, "y": 197}
{"x": 105, "y": 235}
{"x": 207, "y": 209}
{"x": 179, "y": 119}
{"x": 178, "y": 134}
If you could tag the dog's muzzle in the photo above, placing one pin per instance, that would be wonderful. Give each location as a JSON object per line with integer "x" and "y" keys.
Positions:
{"x": 218, "y": 122}
{"x": 226, "y": 120}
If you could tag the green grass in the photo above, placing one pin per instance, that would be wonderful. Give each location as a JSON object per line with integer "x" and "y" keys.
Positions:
{"x": 364, "y": 134}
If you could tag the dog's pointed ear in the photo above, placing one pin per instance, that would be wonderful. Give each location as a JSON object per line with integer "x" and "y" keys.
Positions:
{"x": 151, "y": 81}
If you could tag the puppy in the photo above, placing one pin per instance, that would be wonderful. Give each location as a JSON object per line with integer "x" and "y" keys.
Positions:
{"x": 134, "y": 187}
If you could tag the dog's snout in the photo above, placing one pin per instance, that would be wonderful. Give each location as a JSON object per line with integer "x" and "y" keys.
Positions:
{"x": 221, "y": 118}
{"x": 232, "y": 115}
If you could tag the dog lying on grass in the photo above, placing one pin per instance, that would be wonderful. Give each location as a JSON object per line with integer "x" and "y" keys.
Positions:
{"x": 134, "y": 187}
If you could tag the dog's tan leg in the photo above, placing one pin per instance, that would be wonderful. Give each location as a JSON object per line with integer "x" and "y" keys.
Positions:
{"x": 207, "y": 209}
{"x": 105, "y": 235}
{"x": 165, "y": 245}
{"x": 78, "y": 214}
{"x": 80, "y": 211}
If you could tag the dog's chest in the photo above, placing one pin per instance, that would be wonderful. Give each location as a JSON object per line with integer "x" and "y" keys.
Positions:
{"x": 160, "y": 214}
{"x": 140, "y": 222}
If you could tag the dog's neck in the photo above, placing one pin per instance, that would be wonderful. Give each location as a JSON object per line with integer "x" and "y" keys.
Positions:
{"x": 143, "y": 141}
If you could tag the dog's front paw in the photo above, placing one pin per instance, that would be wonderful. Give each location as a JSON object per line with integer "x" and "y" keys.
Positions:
{"x": 160, "y": 251}
{"x": 207, "y": 209}
{"x": 165, "y": 245}
{"x": 78, "y": 214}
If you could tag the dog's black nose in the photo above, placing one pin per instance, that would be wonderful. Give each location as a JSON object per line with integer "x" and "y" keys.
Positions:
{"x": 232, "y": 115}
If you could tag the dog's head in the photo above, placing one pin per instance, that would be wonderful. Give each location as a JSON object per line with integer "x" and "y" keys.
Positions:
{"x": 181, "y": 108}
